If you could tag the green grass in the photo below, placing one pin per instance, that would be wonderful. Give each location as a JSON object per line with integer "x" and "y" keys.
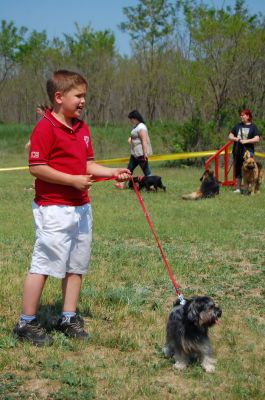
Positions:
{"x": 214, "y": 247}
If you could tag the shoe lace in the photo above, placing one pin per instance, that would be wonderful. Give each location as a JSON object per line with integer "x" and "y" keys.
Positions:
{"x": 37, "y": 329}
{"x": 77, "y": 326}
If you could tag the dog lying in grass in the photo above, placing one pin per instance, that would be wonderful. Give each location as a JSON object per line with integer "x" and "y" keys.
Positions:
{"x": 252, "y": 174}
{"x": 210, "y": 187}
{"x": 149, "y": 183}
{"x": 187, "y": 332}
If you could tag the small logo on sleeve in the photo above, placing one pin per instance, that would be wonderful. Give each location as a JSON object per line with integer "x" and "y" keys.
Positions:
{"x": 86, "y": 139}
{"x": 34, "y": 154}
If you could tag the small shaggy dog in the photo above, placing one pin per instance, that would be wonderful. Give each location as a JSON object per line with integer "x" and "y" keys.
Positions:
{"x": 187, "y": 332}
{"x": 209, "y": 187}
{"x": 252, "y": 174}
{"x": 150, "y": 183}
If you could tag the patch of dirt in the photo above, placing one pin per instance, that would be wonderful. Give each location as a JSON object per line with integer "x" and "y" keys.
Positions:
{"x": 42, "y": 387}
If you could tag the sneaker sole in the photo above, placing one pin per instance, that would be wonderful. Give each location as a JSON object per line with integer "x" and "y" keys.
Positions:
{"x": 37, "y": 344}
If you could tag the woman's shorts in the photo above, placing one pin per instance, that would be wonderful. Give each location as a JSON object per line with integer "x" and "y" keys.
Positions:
{"x": 63, "y": 240}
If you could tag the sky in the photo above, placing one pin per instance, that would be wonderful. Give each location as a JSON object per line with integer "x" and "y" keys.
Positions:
{"x": 57, "y": 17}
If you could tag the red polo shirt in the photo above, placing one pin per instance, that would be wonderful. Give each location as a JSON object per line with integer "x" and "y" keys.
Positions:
{"x": 64, "y": 149}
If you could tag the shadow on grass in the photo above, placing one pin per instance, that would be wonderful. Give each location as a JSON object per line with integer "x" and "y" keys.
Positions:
{"x": 49, "y": 314}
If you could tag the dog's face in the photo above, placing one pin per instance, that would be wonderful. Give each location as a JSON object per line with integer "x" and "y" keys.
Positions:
{"x": 209, "y": 184}
{"x": 207, "y": 173}
{"x": 249, "y": 164}
{"x": 202, "y": 311}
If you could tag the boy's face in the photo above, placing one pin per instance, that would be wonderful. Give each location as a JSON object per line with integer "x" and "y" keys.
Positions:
{"x": 73, "y": 102}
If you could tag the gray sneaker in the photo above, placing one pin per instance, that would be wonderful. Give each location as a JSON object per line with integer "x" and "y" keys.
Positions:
{"x": 72, "y": 327}
{"x": 32, "y": 332}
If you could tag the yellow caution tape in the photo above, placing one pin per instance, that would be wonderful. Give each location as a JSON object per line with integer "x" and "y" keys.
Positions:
{"x": 163, "y": 157}
{"x": 13, "y": 169}
{"x": 258, "y": 154}
{"x": 153, "y": 158}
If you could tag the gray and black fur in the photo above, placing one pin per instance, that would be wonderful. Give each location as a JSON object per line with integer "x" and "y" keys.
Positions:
{"x": 187, "y": 332}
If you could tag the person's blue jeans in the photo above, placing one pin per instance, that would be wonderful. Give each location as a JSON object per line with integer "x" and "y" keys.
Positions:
{"x": 142, "y": 162}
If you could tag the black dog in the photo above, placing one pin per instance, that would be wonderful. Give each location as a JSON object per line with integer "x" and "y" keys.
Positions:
{"x": 150, "y": 183}
{"x": 187, "y": 332}
{"x": 210, "y": 187}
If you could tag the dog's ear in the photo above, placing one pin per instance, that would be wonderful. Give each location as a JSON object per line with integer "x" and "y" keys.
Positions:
{"x": 246, "y": 155}
{"x": 193, "y": 310}
{"x": 204, "y": 175}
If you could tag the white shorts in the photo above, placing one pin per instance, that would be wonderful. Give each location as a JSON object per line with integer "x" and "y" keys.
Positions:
{"x": 63, "y": 240}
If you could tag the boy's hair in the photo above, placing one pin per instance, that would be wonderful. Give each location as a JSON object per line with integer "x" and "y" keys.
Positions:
{"x": 135, "y": 115}
{"x": 63, "y": 81}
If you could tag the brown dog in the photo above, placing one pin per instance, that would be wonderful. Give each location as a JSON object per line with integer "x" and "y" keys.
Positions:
{"x": 209, "y": 187}
{"x": 252, "y": 174}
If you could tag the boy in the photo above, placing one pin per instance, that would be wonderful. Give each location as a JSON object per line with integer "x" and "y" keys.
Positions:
{"x": 61, "y": 159}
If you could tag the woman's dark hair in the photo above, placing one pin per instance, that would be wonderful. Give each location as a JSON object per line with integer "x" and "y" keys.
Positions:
{"x": 135, "y": 115}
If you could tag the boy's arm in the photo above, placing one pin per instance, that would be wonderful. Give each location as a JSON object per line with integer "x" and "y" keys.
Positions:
{"x": 99, "y": 171}
{"x": 51, "y": 175}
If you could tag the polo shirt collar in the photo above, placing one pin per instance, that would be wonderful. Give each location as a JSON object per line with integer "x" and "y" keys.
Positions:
{"x": 58, "y": 124}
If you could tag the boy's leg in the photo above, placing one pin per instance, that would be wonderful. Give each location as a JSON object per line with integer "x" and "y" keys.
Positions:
{"x": 33, "y": 287}
{"x": 28, "y": 328}
{"x": 70, "y": 324}
{"x": 71, "y": 286}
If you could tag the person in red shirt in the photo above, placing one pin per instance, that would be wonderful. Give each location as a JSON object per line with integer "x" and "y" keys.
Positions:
{"x": 62, "y": 161}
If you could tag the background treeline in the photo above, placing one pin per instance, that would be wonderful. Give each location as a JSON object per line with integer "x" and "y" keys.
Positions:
{"x": 191, "y": 68}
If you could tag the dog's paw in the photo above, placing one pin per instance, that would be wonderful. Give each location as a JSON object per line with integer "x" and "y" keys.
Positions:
{"x": 167, "y": 352}
{"x": 208, "y": 365}
{"x": 179, "y": 365}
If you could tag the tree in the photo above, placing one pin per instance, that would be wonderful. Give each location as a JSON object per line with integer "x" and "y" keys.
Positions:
{"x": 10, "y": 40}
{"x": 220, "y": 50}
{"x": 93, "y": 53}
{"x": 150, "y": 24}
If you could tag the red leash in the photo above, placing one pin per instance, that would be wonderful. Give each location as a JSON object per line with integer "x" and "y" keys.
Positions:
{"x": 140, "y": 200}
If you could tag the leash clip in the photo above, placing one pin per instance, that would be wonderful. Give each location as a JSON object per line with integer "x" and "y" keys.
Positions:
{"x": 181, "y": 299}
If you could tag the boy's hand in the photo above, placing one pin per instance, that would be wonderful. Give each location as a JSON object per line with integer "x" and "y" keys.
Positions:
{"x": 121, "y": 174}
{"x": 82, "y": 182}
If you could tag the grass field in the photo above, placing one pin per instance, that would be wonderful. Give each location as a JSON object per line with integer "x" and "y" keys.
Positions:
{"x": 214, "y": 247}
